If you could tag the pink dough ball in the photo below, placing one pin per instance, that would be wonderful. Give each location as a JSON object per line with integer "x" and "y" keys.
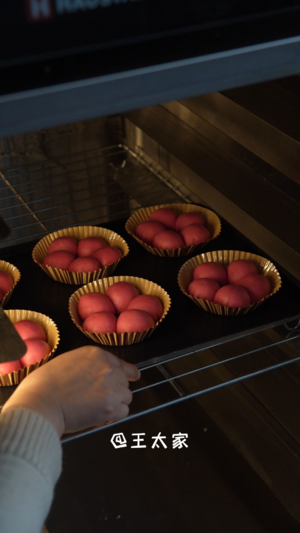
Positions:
{"x": 66, "y": 244}
{"x": 232, "y": 296}
{"x": 239, "y": 269}
{"x": 9, "y": 367}
{"x": 134, "y": 320}
{"x": 1, "y": 295}
{"x": 108, "y": 255}
{"x": 186, "y": 219}
{"x": 258, "y": 286}
{"x": 195, "y": 234}
{"x": 168, "y": 240}
{"x": 166, "y": 216}
{"x": 84, "y": 264}
{"x": 28, "y": 329}
{"x": 86, "y": 247}
{"x": 211, "y": 271}
{"x": 59, "y": 260}
{"x": 146, "y": 231}
{"x": 6, "y": 282}
{"x": 148, "y": 303}
{"x": 203, "y": 288}
{"x": 121, "y": 294}
{"x": 36, "y": 350}
{"x": 94, "y": 302}
{"x": 101, "y": 323}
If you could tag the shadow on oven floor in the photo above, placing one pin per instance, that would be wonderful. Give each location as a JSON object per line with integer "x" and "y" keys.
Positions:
{"x": 207, "y": 487}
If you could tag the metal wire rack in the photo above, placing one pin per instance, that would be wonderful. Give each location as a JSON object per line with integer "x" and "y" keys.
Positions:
{"x": 275, "y": 350}
{"x": 91, "y": 187}
{"x": 101, "y": 185}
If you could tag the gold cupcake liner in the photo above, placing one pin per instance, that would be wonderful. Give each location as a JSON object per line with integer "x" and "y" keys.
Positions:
{"x": 212, "y": 223}
{"x": 15, "y": 315}
{"x": 225, "y": 257}
{"x": 119, "y": 339}
{"x": 15, "y": 274}
{"x": 40, "y": 251}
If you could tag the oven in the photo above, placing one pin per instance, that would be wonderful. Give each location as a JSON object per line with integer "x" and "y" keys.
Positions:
{"x": 92, "y": 131}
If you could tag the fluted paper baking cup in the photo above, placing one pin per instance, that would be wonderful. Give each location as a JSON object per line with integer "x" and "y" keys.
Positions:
{"x": 15, "y": 274}
{"x": 15, "y": 315}
{"x": 119, "y": 339}
{"x": 225, "y": 257}
{"x": 40, "y": 251}
{"x": 212, "y": 222}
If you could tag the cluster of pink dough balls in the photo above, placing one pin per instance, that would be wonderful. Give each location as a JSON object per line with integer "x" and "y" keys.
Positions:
{"x": 6, "y": 283}
{"x": 87, "y": 255}
{"x": 120, "y": 310}
{"x": 167, "y": 231}
{"x": 238, "y": 285}
{"x": 35, "y": 338}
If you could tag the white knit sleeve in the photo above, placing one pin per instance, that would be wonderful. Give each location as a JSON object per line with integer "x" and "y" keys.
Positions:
{"x": 30, "y": 464}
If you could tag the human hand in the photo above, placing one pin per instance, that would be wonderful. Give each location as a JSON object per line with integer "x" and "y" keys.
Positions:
{"x": 78, "y": 389}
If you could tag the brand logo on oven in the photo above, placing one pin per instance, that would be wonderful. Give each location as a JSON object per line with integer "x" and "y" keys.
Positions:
{"x": 38, "y": 10}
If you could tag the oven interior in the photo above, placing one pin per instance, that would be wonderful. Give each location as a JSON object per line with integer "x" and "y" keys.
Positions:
{"x": 230, "y": 383}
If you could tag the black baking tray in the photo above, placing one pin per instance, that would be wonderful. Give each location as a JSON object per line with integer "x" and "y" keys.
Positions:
{"x": 186, "y": 329}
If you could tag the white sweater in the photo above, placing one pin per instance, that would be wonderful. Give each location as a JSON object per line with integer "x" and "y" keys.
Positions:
{"x": 30, "y": 464}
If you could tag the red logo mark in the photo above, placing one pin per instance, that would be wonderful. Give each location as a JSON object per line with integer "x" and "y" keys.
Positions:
{"x": 38, "y": 10}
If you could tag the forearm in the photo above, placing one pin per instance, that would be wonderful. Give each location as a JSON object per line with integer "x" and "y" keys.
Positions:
{"x": 30, "y": 464}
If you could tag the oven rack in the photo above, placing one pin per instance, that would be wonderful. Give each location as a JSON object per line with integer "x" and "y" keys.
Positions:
{"x": 86, "y": 188}
{"x": 281, "y": 352}
{"x": 30, "y": 200}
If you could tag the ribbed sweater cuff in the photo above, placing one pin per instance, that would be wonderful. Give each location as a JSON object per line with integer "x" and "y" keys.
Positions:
{"x": 28, "y": 435}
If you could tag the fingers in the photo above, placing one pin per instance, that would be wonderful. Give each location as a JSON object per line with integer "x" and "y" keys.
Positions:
{"x": 120, "y": 413}
{"x": 127, "y": 397}
{"x": 131, "y": 371}
{"x": 118, "y": 376}
{"x": 117, "y": 389}
{"x": 115, "y": 405}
